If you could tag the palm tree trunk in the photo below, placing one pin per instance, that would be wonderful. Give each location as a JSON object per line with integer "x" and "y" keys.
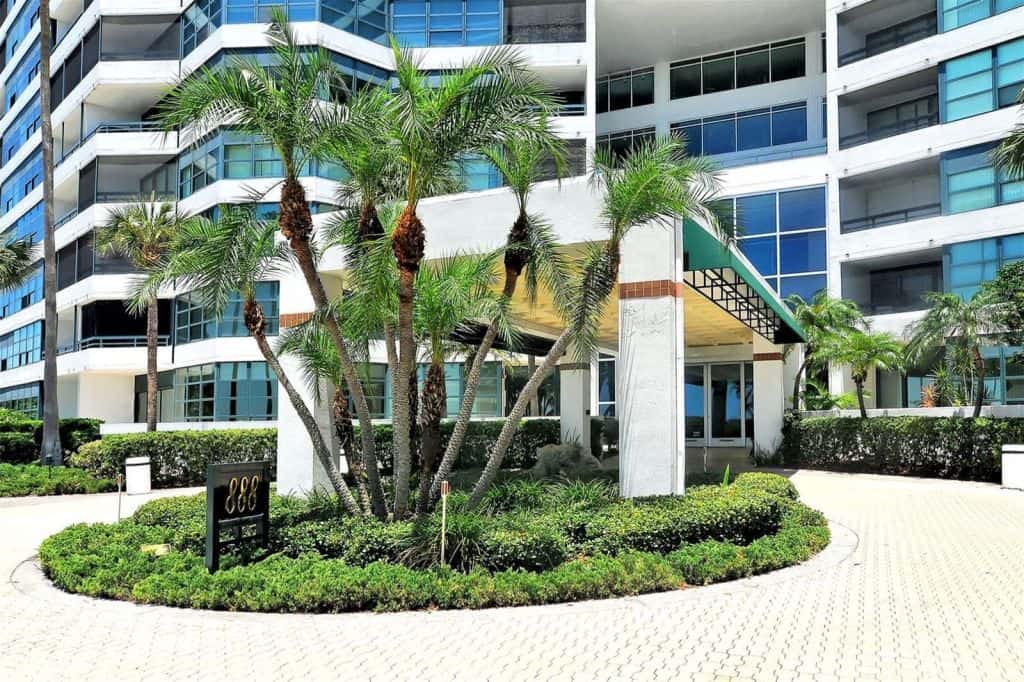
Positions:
{"x": 508, "y": 430}
{"x": 407, "y": 242}
{"x": 531, "y": 367}
{"x": 342, "y": 420}
{"x": 296, "y": 226}
{"x": 860, "y": 398}
{"x": 152, "y": 338}
{"x": 797, "y": 381}
{"x": 432, "y": 407}
{"x": 451, "y": 452}
{"x": 256, "y": 323}
{"x": 51, "y": 450}
{"x": 979, "y": 371}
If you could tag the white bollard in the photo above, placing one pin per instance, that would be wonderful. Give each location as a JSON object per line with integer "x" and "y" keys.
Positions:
{"x": 137, "y": 475}
{"x": 1013, "y": 466}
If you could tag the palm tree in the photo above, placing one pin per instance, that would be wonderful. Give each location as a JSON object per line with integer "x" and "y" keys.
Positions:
{"x": 142, "y": 233}
{"x": 821, "y": 319}
{"x": 530, "y": 248}
{"x": 657, "y": 183}
{"x": 436, "y": 122}
{"x": 864, "y": 352}
{"x": 451, "y": 293}
{"x": 971, "y": 324}
{"x": 50, "y": 450}
{"x": 1009, "y": 155}
{"x": 219, "y": 258}
{"x": 284, "y": 104}
{"x": 17, "y": 258}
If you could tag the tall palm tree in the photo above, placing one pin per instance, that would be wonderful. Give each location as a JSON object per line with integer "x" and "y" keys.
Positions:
{"x": 284, "y": 104}
{"x": 970, "y": 324}
{"x": 657, "y": 183}
{"x": 142, "y": 234}
{"x": 864, "y": 352}
{"x": 451, "y": 293}
{"x": 530, "y": 248}
{"x": 821, "y": 319}
{"x": 50, "y": 450}
{"x": 219, "y": 258}
{"x": 436, "y": 121}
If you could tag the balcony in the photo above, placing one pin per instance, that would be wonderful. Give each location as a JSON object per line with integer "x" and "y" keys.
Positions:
{"x": 883, "y": 25}
{"x": 111, "y": 342}
{"x": 895, "y": 284}
{"x": 108, "y": 324}
{"x": 891, "y": 108}
{"x": 900, "y": 194}
{"x": 64, "y": 147}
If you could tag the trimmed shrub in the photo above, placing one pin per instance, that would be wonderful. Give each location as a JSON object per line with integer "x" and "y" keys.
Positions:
{"x": 769, "y": 483}
{"x": 18, "y": 448}
{"x": 178, "y": 458}
{"x": 942, "y": 447}
{"x": 18, "y": 480}
{"x": 480, "y": 435}
{"x": 21, "y": 436}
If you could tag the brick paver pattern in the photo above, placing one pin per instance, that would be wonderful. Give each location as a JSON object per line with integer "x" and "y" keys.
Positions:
{"x": 924, "y": 580}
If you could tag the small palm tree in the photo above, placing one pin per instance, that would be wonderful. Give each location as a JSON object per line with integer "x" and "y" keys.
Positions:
{"x": 822, "y": 318}
{"x": 142, "y": 234}
{"x": 968, "y": 324}
{"x": 17, "y": 261}
{"x": 864, "y": 352}
{"x": 284, "y": 104}
{"x": 217, "y": 259}
{"x": 657, "y": 183}
{"x": 435, "y": 122}
{"x": 1009, "y": 155}
{"x": 530, "y": 250}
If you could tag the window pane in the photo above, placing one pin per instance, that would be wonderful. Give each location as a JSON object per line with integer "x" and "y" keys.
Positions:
{"x": 619, "y": 93}
{"x": 761, "y": 253}
{"x": 806, "y": 286}
{"x": 643, "y": 89}
{"x": 602, "y": 96}
{"x": 753, "y": 132}
{"x": 752, "y": 69}
{"x": 718, "y": 74}
{"x": 756, "y": 214}
{"x": 788, "y": 61}
{"x": 804, "y": 252}
{"x": 691, "y": 134}
{"x": 789, "y": 125}
{"x": 802, "y": 209}
{"x": 720, "y": 136}
{"x": 684, "y": 81}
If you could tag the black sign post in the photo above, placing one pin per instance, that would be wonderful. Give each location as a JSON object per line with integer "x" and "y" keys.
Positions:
{"x": 237, "y": 499}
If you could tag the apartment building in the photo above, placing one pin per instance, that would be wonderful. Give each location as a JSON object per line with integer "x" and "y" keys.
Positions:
{"x": 853, "y": 139}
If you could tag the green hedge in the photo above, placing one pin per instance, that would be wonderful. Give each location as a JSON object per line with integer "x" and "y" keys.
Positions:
{"x": 532, "y": 554}
{"x": 943, "y": 447}
{"x": 522, "y": 452}
{"x": 21, "y": 436}
{"x": 178, "y": 458}
{"x": 17, "y": 480}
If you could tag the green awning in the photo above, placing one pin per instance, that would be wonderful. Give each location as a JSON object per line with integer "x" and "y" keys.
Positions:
{"x": 724, "y": 276}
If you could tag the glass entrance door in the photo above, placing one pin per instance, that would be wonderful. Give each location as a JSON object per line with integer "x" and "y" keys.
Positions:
{"x": 719, "y": 406}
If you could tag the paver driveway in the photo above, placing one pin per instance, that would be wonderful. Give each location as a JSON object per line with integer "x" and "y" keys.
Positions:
{"x": 925, "y": 580}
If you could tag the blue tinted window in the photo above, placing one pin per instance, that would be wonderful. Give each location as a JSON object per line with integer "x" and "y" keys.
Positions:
{"x": 20, "y": 130}
{"x": 20, "y": 27}
{"x": 754, "y": 130}
{"x": 19, "y": 80}
{"x": 756, "y": 214}
{"x": 691, "y": 132}
{"x": 803, "y": 252}
{"x": 970, "y": 181}
{"x": 789, "y": 125}
{"x": 802, "y": 209}
{"x": 25, "y": 179}
{"x": 805, "y": 286}
{"x": 982, "y": 81}
{"x": 970, "y": 264}
{"x": 719, "y": 136}
{"x": 21, "y": 347}
{"x": 417, "y": 23}
{"x": 761, "y": 253}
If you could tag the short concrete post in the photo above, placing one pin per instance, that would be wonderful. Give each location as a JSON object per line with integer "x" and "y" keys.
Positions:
{"x": 1013, "y": 466}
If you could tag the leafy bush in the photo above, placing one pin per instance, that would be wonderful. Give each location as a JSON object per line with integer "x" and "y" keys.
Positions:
{"x": 769, "y": 483}
{"x": 522, "y": 452}
{"x": 943, "y": 447}
{"x": 32, "y": 479}
{"x": 178, "y": 458}
{"x": 21, "y": 436}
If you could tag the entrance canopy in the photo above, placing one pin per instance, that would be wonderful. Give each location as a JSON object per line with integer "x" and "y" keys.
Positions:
{"x": 722, "y": 275}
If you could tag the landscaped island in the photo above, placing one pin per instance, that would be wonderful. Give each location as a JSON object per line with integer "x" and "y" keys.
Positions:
{"x": 530, "y": 543}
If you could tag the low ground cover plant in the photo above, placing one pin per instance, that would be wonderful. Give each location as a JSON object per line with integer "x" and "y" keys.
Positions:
{"x": 17, "y": 480}
{"x": 531, "y": 543}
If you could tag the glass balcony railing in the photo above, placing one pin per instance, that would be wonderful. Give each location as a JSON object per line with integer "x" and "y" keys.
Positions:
{"x": 891, "y": 218}
{"x": 110, "y": 127}
{"x": 112, "y": 342}
{"x": 890, "y": 38}
{"x": 882, "y": 132}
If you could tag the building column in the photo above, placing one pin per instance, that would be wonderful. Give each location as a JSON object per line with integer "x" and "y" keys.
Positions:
{"x": 574, "y": 402}
{"x": 770, "y": 394}
{"x": 650, "y": 371}
{"x": 298, "y": 469}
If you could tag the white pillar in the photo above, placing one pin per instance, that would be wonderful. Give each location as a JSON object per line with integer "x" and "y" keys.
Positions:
{"x": 649, "y": 373}
{"x": 769, "y": 394}
{"x": 574, "y": 402}
{"x": 298, "y": 469}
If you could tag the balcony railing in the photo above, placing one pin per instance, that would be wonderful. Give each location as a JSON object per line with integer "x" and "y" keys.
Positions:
{"x": 523, "y": 34}
{"x": 899, "y": 35}
{"x": 883, "y": 132}
{"x": 891, "y": 218}
{"x": 112, "y": 127}
{"x": 112, "y": 342}
{"x": 65, "y": 219}
{"x": 139, "y": 55}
